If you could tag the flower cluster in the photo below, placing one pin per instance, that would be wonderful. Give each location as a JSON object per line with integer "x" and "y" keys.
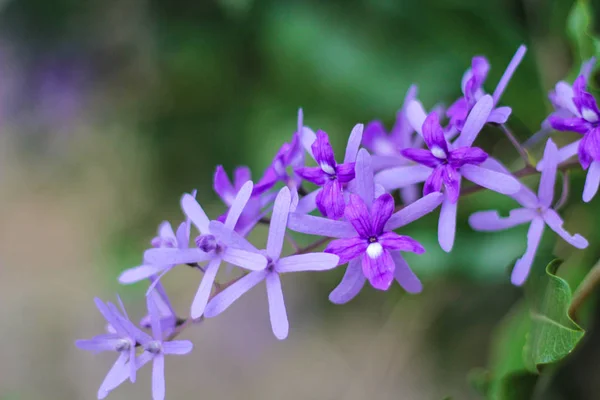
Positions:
{"x": 350, "y": 207}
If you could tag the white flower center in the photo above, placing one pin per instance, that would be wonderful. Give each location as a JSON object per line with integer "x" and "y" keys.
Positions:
{"x": 374, "y": 250}
{"x": 328, "y": 169}
{"x": 589, "y": 115}
{"x": 154, "y": 347}
{"x": 438, "y": 152}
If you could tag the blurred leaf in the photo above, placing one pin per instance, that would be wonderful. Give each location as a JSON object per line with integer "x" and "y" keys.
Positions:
{"x": 537, "y": 332}
{"x": 580, "y": 30}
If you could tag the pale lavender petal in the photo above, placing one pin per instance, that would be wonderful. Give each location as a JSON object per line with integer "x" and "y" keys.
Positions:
{"x": 99, "y": 343}
{"x": 158, "y": 377}
{"x": 415, "y": 113}
{"x": 508, "y": 73}
{"x": 154, "y": 313}
{"x": 393, "y": 241}
{"x": 475, "y": 121}
{"x": 183, "y": 235}
{"x": 364, "y": 176}
{"x": 409, "y": 194}
{"x": 237, "y": 207}
{"x": 492, "y": 221}
{"x": 222, "y": 185}
{"x": 117, "y": 374}
{"x": 308, "y": 137}
{"x": 379, "y": 190}
{"x": 399, "y": 177}
{"x": 381, "y": 211}
{"x": 245, "y": 259}
{"x": 203, "y": 292}
{"x": 563, "y": 97}
{"x": 404, "y": 275}
{"x": 353, "y": 143}
{"x": 241, "y": 175}
{"x": 500, "y": 115}
{"x": 307, "y": 262}
{"x": 195, "y": 213}
{"x": 379, "y": 270}
{"x": 165, "y": 231}
{"x": 179, "y": 347}
{"x": 318, "y": 226}
{"x": 168, "y": 256}
{"x": 230, "y": 237}
{"x": 524, "y": 196}
{"x": 223, "y": 300}
{"x": 357, "y": 213}
{"x": 347, "y": 249}
{"x": 381, "y": 162}
{"x": 447, "y": 225}
{"x": 587, "y": 68}
{"x": 308, "y": 203}
{"x": 548, "y": 176}
{"x": 563, "y": 154}
{"x": 109, "y": 315}
{"x": 496, "y": 181}
{"x": 277, "y": 312}
{"x": 523, "y": 264}
{"x": 352, "y": 282}
{"x": 555, "y": 222}
{"x": 414, "y": 211}
{"x": 592, "y": 181}
{"x": 137, "y": 274}
{"x": 278, "y": 225}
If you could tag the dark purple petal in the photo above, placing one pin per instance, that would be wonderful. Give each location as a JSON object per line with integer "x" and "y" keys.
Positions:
{"x": 381, "y": 211}
{"x": 223, "y": 186}
{"x": 345, "y": 172}
{"x": 421, "y": 156}
{"x": 579, "y": 86}
{"x": 330, "y": 200}
{"x": 312, "y": 174}
{"x": 574, "y": 124}
{"x": 373, "y": 132}
{"x": 434, "y": 181}
{"x": 450, "y": 176}
{"x": 467, "y": 155}
{"x": 379, "y": 270}
{"x": 393, "y": 241}
{"x": 241, "y": 175}
{"x": 322, "y": 151}
{"x": 586, "y": 104}
{"x": 265, "y": 183}
{"x": 589, "y": 148}
{"x": 357, "y": 214}
{"x": 347, "y": 249}
{"x": 433, "y": 133}
{"x": 458, "y": 112}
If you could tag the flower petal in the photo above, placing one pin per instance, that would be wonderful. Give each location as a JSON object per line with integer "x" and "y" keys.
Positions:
{"x": 351, "y": 284}
{"x": 496, "y": 181}
{"x": 353, "y": 143}
{"x": 573, "y": 124}
{"x": 347, "y": 249}
{"x": 238, "y": 205}
{"x": 467, "y": 155}
{"x": 364, "y": 176}
{"x": 381, "y": 211}
{"x": 223, "y": 300}
{"x": 523, "y": 264}
{"x": 414, "y": 211}
{"x": 510, "y": 70}
{"x": 330, "y": 200}
{"x": 312, "y": 174}
{"x": 499, "y": 115}
{"x": 404, "y": 275}
{"x": 203, "y": 292}
{"x": 345, "y": 172}
{"x": 555, "y": 222}
{"x": 421, "y": 156}
{"x": 433, "y": 133}
{"x": 451, "y": 179}
{"x": 323, "y": 151}
{"x": 279, "y": 219}
{"x": 379, "y": 271}
{"x": 169, "y": 256}
{"x": 592, "y": 181}
{"x": 393, "y": 241}
{"x": 222, "y": 185}
{"x": 308, "y": 137}
{"x": 319, "y": 226}
{"x": 357, "y": 214}
{"x": 245, "y": 259}
{"x": 277, "y": 312}
{"x": 489, "y": 221}
{"x": 548, "y": 176}
{"x": 165, "y": 231}
{"x": 158, "y": 377}
{"x": 399, "y": 177}
{"x": 194, "y": 212}
{"x": 230, "y": 237}
{"x": 434, "y": 182}
{"x": 475, "y": 121}
{"x": 178, "y": 347}
{"x": 447, "y": 225}
{"x": 117, "y": 374}
{"x": 564, "y": 154}
{"x": 307, "y": 262}
{"x": 416, "y": 115}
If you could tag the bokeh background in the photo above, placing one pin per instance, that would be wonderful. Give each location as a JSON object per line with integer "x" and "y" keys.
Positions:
{"x": 111, "y": 109}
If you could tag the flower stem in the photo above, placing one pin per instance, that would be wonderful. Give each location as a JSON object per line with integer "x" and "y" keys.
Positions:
{"x": 585, "y": 290}
{"x": 520, "y": 149}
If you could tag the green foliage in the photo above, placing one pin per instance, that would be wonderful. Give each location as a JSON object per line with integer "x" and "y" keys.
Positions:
{"x": 536, "y": 333}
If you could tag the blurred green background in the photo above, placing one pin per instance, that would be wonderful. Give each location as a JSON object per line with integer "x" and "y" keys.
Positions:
{"x": 110, "y": 110}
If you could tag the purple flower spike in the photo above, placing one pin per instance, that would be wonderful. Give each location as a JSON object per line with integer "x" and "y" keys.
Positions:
{"x": 537, "y": 210}
{"x": 472, "y": 88}
{"x": 331, "y": 176}
{"x": 122, "y": 338}
{"x": 367, "y": 241}
{"x": 270, "y": 273}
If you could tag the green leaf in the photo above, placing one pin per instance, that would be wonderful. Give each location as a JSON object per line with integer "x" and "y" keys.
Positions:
{"x": 537, "y": 331}
{"x": 580, "y": 30}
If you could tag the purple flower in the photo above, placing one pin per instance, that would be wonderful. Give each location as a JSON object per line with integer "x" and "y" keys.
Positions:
{"x": 270, "y": 272}
{"x": 537, "y": 210}
{"x": 168, "y": 317}
{"x": 445, "y": 164}
{"x": 227, "y": 192}
{"x": 366, "y": 240}
{"x": 472, "y": 88}
{"x": 577, "y": 111}
{"x": 121, "y": 338}
{"x": 236, "y": 250}
{"x": 156, "y": 347}
{"x": 330, "y": 175}
{"x": 289, "y": 155}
